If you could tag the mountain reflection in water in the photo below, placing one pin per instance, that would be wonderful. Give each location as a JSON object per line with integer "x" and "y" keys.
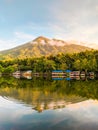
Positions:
{"x": 41, "y": 104}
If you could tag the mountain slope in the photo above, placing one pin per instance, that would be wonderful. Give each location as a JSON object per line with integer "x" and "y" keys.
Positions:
{"x": 42, "y": 46}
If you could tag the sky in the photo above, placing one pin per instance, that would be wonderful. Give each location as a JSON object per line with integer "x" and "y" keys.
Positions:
{"x": 70, "y": 20}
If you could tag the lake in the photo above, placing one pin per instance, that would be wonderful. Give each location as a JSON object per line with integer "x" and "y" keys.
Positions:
{"x": 46, "y": 104}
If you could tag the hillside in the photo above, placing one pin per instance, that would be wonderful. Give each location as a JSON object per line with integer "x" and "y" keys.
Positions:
{"x": 42, "y": 46}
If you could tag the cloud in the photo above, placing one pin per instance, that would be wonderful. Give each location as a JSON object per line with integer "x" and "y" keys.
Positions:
{"x": 67, "y": 20}
{"x": 10, "y": 106}
{"x": 83, "y": 35}
{"x": 24, "y": 36}
{"x": 18, "y": 39}
{"x": 7, "y": 44}
{"x": 75, "y": 20}
{"x": 96, "y": 8}
{"x": 86, "y": 109}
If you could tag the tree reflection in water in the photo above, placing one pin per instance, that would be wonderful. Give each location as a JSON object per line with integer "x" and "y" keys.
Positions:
{"x": 45, "y": 94}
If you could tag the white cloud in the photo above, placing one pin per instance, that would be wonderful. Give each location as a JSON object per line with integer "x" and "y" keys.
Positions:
{"x": 96, "y": 8}
{"x": 7, "y": 44}
{"x": 24, "y": 36}
{"x": 13, "y": 108}
{"x": 70, "y": 20}
{"x": 86, "y": 35}
{"x": 76, "y": 20}
{"x": 18, "y": 39}
{"x": 86, "y": 109}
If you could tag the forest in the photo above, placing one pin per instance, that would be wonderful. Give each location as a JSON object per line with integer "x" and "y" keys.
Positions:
{"x": 87, "y": 61}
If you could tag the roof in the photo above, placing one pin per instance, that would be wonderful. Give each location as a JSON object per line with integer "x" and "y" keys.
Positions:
{"x": 57, "y": 71}
{"x": 68, "y": 71}
{"x": 57, "y": 78}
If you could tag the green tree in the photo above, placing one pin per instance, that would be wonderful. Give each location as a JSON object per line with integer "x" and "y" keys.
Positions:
{"x": 8, "y": 69}
{"x": 77, "y": 64}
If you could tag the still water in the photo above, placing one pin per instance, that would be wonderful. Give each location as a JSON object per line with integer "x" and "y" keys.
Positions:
{"x": 46, "y": 104}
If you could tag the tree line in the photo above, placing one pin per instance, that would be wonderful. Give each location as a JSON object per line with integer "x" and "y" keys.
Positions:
{"x": 87, "y": 61}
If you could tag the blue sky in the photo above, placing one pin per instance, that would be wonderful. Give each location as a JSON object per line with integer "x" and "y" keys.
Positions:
{"x": 23, "y": 20}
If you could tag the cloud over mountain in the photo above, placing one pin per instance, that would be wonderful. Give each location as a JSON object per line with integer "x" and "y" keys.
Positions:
{"x": 42, "y": 46}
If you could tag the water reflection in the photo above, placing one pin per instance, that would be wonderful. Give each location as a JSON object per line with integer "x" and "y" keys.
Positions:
{"x": 41, "y": 104}
{"x": 41, "y": 94}
{"x": 46, "y": 94}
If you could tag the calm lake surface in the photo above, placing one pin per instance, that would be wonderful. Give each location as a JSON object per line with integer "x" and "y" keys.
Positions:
{"x": 46, "y": 104}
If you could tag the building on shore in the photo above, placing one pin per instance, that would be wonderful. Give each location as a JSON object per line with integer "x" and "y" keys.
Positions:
{"x": 58, "y": 73}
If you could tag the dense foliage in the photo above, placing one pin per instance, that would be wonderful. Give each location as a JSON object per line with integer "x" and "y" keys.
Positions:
{"x": 87, "y": 61}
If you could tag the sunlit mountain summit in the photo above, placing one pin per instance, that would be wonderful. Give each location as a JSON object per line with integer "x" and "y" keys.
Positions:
{"x": 42, "y": 46}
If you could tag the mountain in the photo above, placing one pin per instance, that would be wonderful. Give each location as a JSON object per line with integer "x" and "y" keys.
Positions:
{"x": 42, "y": 46}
